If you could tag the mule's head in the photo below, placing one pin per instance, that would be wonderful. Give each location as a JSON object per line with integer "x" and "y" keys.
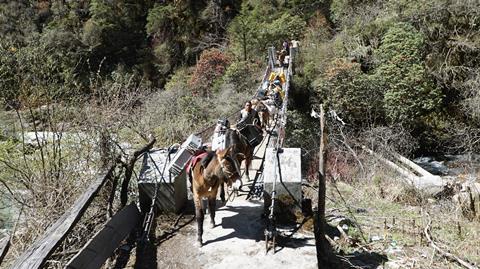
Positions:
{"x": 229, "y": 165}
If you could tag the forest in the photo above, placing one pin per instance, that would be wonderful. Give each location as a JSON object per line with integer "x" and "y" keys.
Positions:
{"x": 398, "y": 76}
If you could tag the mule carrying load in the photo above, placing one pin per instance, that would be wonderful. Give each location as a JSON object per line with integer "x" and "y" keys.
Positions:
{"x": 252, "y": 133}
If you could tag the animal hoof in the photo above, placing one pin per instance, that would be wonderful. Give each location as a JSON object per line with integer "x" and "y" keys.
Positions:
{"x": 199, "y": 243}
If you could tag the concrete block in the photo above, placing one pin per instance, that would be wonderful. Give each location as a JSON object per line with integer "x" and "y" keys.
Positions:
{"x": 171, "y": 190}
{"x": 288, "y": 176}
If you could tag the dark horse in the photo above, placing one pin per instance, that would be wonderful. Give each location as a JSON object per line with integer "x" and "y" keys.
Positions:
{"x": 241, "y": 149}
{"x": 207, "y": 175}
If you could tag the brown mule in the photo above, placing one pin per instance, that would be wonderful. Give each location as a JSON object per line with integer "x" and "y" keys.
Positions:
{"x": 240, "y": 148}
{"x": 262, "y": 111}
{"x": 214, "y": 170}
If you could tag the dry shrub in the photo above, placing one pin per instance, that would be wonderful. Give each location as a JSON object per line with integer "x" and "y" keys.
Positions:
{"x": 312, "y": 169}
{"x": 408, "y": 195}
{"x": 71, "y": 146}
{"x": 386, "y": 140}
{"x": 342, "y": 166}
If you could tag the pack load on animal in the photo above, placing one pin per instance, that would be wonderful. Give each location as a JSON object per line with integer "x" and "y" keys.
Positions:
{"x": 281, "y": 77}
{"x": 272, "y": 76}
{"x": 219, "y": 140}
{"x": 253, "y": 134}
{"x": 188, "y": 149}
{"x": 262, "y": 92}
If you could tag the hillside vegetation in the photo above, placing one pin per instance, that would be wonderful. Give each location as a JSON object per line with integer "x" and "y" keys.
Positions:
{"x": 396, "y": 75}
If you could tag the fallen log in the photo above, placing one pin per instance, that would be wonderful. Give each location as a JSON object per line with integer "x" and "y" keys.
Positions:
{"x": 411, "y": 177}
{"x": 427, "y": 182}
{"x": 413, "y": 165}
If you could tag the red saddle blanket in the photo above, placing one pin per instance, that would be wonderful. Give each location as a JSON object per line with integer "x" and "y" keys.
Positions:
{"x": 195, "y": 159}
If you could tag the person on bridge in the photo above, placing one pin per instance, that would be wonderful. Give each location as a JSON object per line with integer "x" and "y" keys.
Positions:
{"x": 286, "y": 47}
{"x": 248, "y": 115}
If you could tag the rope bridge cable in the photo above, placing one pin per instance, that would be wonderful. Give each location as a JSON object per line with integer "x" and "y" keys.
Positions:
{"x": 271, "y": 231}
{"x": 233, "y": 192}
{"x": 250, "y": 193}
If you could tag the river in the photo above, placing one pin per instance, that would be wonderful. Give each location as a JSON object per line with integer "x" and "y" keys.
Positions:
{"x": 465, "y": 166}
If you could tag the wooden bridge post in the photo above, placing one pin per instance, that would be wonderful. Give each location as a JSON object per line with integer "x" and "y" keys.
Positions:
{"x": 320, "y": 229}
{"x": 325, "y": 256}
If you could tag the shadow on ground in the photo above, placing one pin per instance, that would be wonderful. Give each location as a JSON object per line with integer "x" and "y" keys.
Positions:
{"x": 244, "y": 223}
{"x": 357, "y": 259}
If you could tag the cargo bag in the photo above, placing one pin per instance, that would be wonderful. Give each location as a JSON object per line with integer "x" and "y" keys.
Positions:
{"x": 253, "y": 135}
{"x": 188, "y": 149}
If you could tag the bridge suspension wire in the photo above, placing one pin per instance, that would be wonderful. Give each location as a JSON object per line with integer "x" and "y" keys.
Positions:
{"x": 271, "y": 229}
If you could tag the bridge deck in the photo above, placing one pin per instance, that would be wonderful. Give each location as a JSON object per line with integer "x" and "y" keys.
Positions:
{"x": 238, "y": 239}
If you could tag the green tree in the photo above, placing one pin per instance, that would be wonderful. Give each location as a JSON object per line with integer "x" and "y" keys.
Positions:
{"x": 174, "y": 29}
{"x": 17, "y": 21}
{"x": 355, "y": 96}
{"x": 410, "y": 93}
{"x": 114, "y": 33}
{"x": 244, "y": 32}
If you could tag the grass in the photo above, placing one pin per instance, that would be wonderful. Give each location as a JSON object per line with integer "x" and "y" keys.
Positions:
{"x": 395, "y": 216}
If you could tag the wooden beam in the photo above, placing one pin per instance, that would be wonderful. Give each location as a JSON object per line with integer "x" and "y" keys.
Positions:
{"x": 427, "y": 182}
{"x": 321, "y": 243}
{"x": 37, "y": 254}
{"x": 4, "y": 246}
{"x": 411, "y": 177}
{"x": 102, "y": 245}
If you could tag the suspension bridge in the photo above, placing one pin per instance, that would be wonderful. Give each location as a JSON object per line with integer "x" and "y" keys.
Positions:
{"x": 248, "y": 232}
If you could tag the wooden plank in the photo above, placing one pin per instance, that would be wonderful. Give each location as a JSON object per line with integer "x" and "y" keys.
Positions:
{"x": 4, "y": 246}
{"x": 320, "y": 231}
{"x": 37, "y": 254}
{"x": 101, "y": 246}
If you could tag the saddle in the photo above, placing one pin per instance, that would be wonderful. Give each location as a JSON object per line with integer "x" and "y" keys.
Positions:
{"x": 206, "y": 159}
{"x": 201, "y": 156}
